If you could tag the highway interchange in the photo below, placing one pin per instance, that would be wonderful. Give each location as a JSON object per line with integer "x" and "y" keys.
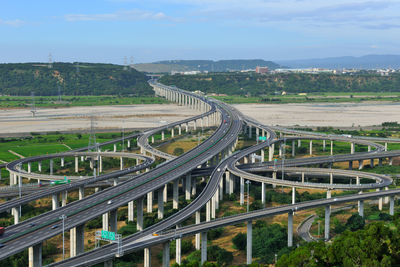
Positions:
{"x": 217, "y": 149}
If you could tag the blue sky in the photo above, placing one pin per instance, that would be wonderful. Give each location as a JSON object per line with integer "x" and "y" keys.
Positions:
{"x": 151, "y": 30}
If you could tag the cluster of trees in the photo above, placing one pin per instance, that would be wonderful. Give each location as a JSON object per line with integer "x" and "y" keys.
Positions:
{"x": 268, "y": 240}
{"x": 378, "y": 244}
{"x": 255, "y": 85}
{"x": 91, "y": 79}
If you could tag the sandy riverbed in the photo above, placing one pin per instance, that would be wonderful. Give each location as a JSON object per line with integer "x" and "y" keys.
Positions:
{"x": 78, "y": 118}
{"x": 336, "y": 115}
{"x": 146, "y": 116}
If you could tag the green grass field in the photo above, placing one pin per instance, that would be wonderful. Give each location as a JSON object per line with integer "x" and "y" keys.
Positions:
{"x": 70, "y": 101}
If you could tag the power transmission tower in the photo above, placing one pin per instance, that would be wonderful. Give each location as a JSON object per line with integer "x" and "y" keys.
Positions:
{"x": 50, "y": 65}
{"x": 33, "y": 108}
{"x": 131, "y": 63}
{"x": 92, "y": 137}
{"x": 125, "y": 63}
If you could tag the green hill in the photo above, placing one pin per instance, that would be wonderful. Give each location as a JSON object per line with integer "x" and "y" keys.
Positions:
{"x": 205, "y": 65}
{"x": 257, "y": 85}
{"x": 88, "y": 79}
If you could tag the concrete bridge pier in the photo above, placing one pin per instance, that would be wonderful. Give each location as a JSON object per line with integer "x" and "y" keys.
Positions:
{"x": 76, "y": 237}
{"x": 197, "y": 236}
{"x": 152, "y": 139}
{"x": 162, "y": 136}
{"x": 299, "y": 143}
{"x": 76, "y": 165}
{"x": 115, "y": 147}
{"x": 35, "y": 255}
{"x": 139, "y": 222}
{"x": 352, "y": 148}
{"x": 15, "y": 212}
{"x": 131, "y": 211}
{"x": 293, "y": 149}
{"x": 360, "y": 164}
{"x": 203, "y": 247}
{"x": 331, "y": 148}
{"x": 271, "y": 149}
{"x": 40, "y": 166}
{"x": 64, "y": 198}
{"x": 105, "y": 221}
{"x": 391, "y": 205}
{"x": 51, "y": 166}
{"x": 293, "y": 195}
{"x": 372, "y": 163}
{"x": 150, "y": 202}
{"x": 166, "y": 257}
{"x": 241, "y": 190}
{"x": 249, "y": 248}
{"x": 29, "y": 167}
{"x": 327, "y": 221}
{"x": 310, "y": 147}
{"x": 121, "y": 163}
{"x": 54, "y": 201}
{"x": 274, "y": 177}
{"x": 290, "y": 229}
{"x": 108, "y": 263}
{"x": 175, "y": 194}
{"x": 263, "y": 193}
{"x": 361, "y": 208}
{"x": 323, "y": 145}
{"x": 178, "y": 247}
{"x": 147, "y": 257}
{"x": 81, "y": 192}
{"x": 350, "y": 165}
{"x": 160, "y": 200}
{"x": 331, "y": 178}
{"x": 188, "y": 186}
{"x": 380, "y": 200}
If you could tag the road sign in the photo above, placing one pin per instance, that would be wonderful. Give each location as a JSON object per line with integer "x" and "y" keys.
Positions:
{"x": 262, "y": 138}
{"x": 108, "y": 235}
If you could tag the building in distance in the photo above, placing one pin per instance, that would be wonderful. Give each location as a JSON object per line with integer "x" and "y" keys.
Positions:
{"x": 261, "y": 70}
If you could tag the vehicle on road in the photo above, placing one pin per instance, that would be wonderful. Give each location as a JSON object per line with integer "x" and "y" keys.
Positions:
{"x": 58, "y": 182}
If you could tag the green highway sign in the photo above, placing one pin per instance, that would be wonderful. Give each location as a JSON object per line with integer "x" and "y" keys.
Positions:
{"x": 108, "y": 235}
{"x": 262, "y": 138}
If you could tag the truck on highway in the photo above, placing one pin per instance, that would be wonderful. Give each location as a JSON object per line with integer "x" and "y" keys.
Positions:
{"x": 57, "y": 182}
{"x": 2, "y": 229}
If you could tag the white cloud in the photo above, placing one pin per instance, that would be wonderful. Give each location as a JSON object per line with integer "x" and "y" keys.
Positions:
{"x": 126, "y": 15}
{"x": 13, "y": 23}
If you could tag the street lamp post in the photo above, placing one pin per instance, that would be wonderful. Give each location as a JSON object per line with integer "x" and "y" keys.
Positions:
{"x": 63, "y": 217}
{"x": 248, "y": 194}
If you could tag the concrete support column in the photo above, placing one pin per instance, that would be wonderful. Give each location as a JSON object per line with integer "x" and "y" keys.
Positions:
{"x": 121, "y": 160}
{"x": 197, "y": 237}
{"x": 77, "y": 240}
{"x": 108, "y": 263}
{"x": 310, "y": 147}
{"x": 290, "y": 229}
{"x": 165, "y": 258}
{"x": 293, "y": 148}
{"x": 81, "y": 192}
{"x": 227, "y": 180}
{"x": 15, "y": 212}
{"x": 172, "y": 132}
{"x": 105, "y": 221}
{"x": 203, "y": 247}
{"x": 262, "y": 155}
{"x": 115, "y": 147}
{"x": 386, "y": 199}
{"x": 113, "y": 221}
{"x": 76, "y": 164}
{"x": 391, "y": 205}
{"x": 139, "y": 222}
{"x": 165, "y": 194}
{"x": 188, "y": 186}
{"x": 352, "y": 149}
{"x": 372, "y": 163}
{"x": 35, "y": 255}
{"x": 147, "y": 257}
{"x": 160, "y": 200}
{"x": 302, "y": 177}
{"x": 162, "y": 136}
{"x": 54, "y": 201}
{"x": 249, "y": 247}
{"x": 271, "y": 152}
{"x": 263, "y": 193}
{"x": 152, "y": 139}
{"x": 178, "y": 249}
{"x": 327, "y": 221}
{"x": 128, "y": 143}
{"x": 179, "y": 129}
{"x": 150, "y": 202}
{"x": 390, "y": 161}
{"x": 331, "y": 178}
{"x": 361, "y": 208}
{"x": 131, "y": 211}
{"x": 350, "y": 165}
{"x": 360, "y": 164}
{"x": 299, "y": 143}
{"x": 194, "y": 186}
{"x": 40, "y": 166}
{"x": 208, "y": 211}
{"x": 231, "y": 183}
{"x": 328, "y": 194}
{"x": 323, "y": 145}
{"x": 175, "y": 194}
{"x": 293, "y": 195}
{"x": 29, "y": 167}
{"x": 241, "y": 190}
{"x": 386, "y": 146}
{"x": 331, "y": 147}
{"x": 380, "y": 200}
{"x": 64, "y": 198}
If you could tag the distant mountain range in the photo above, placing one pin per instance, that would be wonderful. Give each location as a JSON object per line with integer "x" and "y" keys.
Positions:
{"x": 204, "y": 65}
{"x": 364, "y": 62}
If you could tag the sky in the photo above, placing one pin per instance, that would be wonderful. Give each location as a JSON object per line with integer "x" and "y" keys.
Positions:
{"x": 152, "y": 30}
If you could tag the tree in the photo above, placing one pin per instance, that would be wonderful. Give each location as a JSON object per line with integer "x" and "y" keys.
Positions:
{"x": 355, "y": 222}
{"x": 240, "y": 241}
